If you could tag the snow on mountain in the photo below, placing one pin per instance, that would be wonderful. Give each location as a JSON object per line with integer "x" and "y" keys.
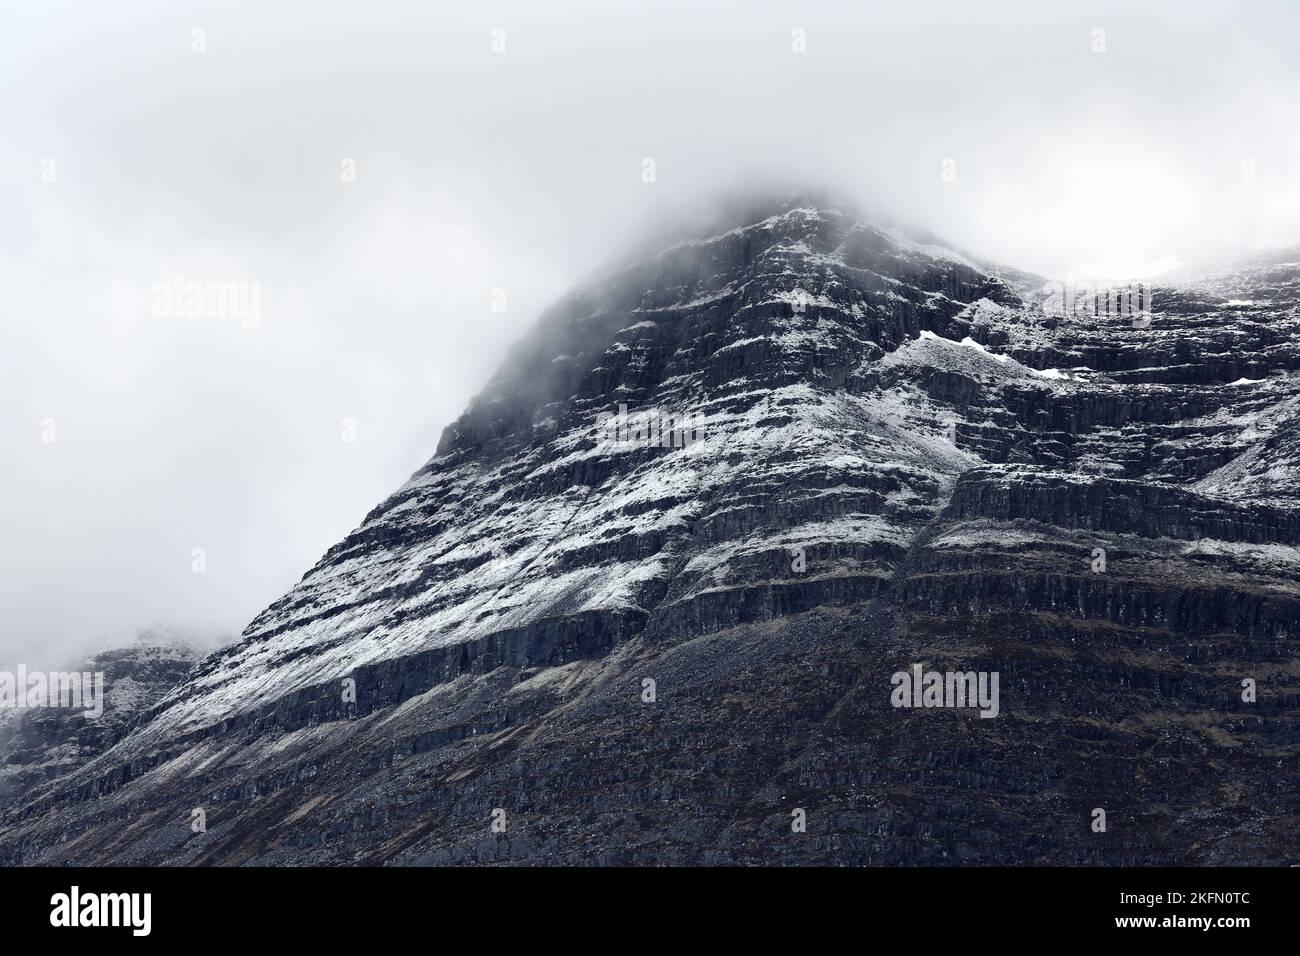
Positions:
{"x": 902, "y": 456}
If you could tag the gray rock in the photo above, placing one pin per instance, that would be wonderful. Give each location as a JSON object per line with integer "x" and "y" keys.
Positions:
{"x": 502, "y": 611}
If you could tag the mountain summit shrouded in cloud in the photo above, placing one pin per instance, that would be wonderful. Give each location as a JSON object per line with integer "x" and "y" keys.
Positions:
{"x": 404, "y": 188}
{"x": 625, "y": 651}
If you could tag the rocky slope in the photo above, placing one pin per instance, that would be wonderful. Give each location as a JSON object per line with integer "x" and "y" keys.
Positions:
{"x": 620, "y": 653}
{"x": 40, "y": 745}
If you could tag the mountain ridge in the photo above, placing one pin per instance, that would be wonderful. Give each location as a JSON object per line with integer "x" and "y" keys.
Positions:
{"x": 905, "y": 458}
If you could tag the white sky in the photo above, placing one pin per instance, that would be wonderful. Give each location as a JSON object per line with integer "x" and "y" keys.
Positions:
{"x": 522, "y": 171}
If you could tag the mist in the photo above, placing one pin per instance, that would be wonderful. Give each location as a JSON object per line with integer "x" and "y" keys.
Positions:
{"x": 405, "y": 186}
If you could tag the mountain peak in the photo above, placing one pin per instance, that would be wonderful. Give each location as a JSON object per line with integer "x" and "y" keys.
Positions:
{"x": 764, "y": 467}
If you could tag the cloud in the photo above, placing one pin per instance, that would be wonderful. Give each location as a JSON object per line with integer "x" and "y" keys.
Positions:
{"x": 518, "y": 172}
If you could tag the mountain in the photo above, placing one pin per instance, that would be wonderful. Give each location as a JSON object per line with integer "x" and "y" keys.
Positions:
{"x": 647, "y": 602}
{"x": 42, "y": 744}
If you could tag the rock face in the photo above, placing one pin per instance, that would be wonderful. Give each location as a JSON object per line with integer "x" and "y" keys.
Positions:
{"x": 40, "y": 745}
{"x": 568, "y": 639}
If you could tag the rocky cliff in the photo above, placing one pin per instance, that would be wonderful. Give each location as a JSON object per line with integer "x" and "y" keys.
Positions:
{"x": 38, "y": 745}
{"x": 562, "y": 641}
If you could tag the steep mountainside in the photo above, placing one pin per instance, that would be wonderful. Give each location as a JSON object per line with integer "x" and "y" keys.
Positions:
{"x": 41, "y": 744}
{"x": 620, "y": 652}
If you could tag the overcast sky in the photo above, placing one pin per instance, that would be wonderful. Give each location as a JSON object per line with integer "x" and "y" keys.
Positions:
{"x": 133, "y": 150}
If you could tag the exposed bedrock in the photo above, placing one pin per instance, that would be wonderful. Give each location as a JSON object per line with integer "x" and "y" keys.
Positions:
{"x": 638, "y": 651}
